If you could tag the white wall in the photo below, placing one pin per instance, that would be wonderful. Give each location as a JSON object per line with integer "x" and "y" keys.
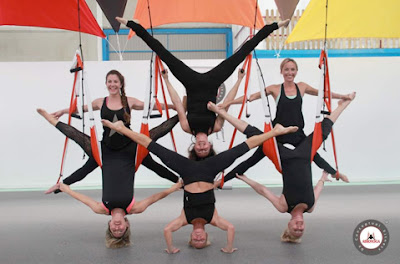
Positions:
{"x": 31, "y": 149}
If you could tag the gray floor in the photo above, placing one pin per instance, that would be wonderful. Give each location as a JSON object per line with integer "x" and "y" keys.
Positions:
{"x": 35, "y": 228}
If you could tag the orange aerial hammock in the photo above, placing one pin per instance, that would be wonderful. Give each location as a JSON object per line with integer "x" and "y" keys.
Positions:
{"x": 324, "y": 98}
{"x": 80, "y": 82}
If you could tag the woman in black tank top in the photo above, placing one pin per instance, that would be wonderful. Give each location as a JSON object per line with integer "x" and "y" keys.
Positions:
{"x": 201, "y": 88}
{"x": 116, "y": 106}
{"x": 288, "y": 97}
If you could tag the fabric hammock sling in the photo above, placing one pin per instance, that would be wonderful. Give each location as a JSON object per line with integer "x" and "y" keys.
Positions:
{"x": 80, "y": 83}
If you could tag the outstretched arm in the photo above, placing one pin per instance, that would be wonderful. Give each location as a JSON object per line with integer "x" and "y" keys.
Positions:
{"x": 230, "y": 97}
{"x": 230, "y": 231}
{"x": 179, "y": 107}
{"x": 96, "y": 105}
{"x": 173, "y": 226}
{"x": 318, "y": 188}
{"x": 94, "y": 205}
{"x": 269, "y": 90}
{"x": 277, "y": 201}
{"x": 140, "y": 206}
{"x": 312, "y": 91}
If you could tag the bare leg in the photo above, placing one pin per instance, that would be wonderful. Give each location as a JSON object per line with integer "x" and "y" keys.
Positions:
{"x": 119, "y": 127}
{"x": 237, "y": 123}
{"x": 342, "y": 105}
{"x": 176, "y": 100}
{"x": 278, "y": 130}
{"x": 230, "y": 97}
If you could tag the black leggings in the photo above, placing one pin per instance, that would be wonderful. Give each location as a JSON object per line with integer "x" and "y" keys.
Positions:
{"x": 201, "y": 87}
{"x": 196, "y": 171}
{"x": 83, "y": 141}
{"x": 302, "y": 150}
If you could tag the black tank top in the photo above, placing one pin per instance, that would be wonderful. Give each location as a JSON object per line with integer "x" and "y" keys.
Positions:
{"x": 297, "y": 182}
{"x": 199, "y": 205}
{"x": 111, "y": 138}
{"x": 289, "y": 113}
{"x": 200, "y": 119}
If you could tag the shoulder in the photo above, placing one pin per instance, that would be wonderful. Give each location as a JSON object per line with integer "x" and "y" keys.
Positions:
{"x": 99, "y": 208}
{"x": 273, "y": 89}
{"x": 97, "y": 104}
{"x": 282, "y": 204}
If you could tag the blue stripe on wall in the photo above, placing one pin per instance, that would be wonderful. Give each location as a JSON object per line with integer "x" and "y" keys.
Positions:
{"x": 331, "y": 53}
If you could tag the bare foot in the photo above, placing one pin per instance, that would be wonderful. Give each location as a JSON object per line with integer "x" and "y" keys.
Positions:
{"x": 125, "y": 21}
{"x": 342, "y": 177}
{"x": 122, "y": 20}
{"x": 51, "y": 119}
{"x": 284, "y": 23}
{"x": 117, "y": 126}
{"x": 281, "y": 130}
{"x": 53, "y": 189}
{"x": 350, "y": 97}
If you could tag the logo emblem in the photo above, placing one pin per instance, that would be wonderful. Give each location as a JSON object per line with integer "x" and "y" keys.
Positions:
{"x": 371, "y": 237}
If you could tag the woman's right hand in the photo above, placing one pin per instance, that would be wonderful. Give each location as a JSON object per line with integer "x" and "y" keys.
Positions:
{"x": 241, "y": 73}
{"x": 241, "y": 177}
{"x": 177, "y": 186}
{"x": 164, "y": 74}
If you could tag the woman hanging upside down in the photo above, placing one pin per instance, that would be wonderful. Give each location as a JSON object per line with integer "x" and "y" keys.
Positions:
{"x": 200, "y": 87}
{"x": 198, "y": 180}
{"x": 298, "y": 195}
{"x": 118, "y": 174}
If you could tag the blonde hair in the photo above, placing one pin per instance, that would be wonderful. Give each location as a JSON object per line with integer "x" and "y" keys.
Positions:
{"x": 118, "y": 242}
{"x": 286, "y": 61}
{"x": 288, "y": 238}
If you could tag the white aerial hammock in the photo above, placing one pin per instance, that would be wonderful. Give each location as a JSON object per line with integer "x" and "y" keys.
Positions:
{"x": 80, "y": 83}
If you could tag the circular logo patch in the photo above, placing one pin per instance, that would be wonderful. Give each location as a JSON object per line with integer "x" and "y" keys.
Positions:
{"x": 221, "y": 92}
{"x": 371, "y": 237}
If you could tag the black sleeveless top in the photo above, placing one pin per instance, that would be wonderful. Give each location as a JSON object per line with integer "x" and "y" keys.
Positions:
{"x": 289, "y": 113}
{"x": 297, "y": 182}
{"x": 111, "y": 138}
{"x": 201, "y": 119}
{"x": 199, "y": 205}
